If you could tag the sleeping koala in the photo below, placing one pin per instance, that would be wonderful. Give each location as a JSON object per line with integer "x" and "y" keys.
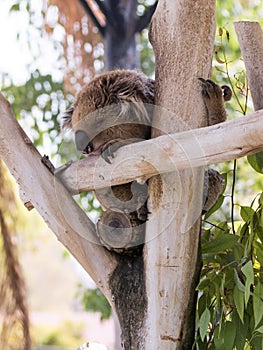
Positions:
{"x": 115, "y": 109}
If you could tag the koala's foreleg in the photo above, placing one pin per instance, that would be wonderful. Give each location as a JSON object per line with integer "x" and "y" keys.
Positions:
{"x": 214, "y": 98}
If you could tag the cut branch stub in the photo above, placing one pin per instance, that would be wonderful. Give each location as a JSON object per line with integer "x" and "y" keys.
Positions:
{"x": 120, "y": 232}
{"x": 250, "y": 37}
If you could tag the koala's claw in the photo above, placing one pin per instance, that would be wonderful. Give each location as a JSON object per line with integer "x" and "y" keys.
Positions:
{"x": 107, "y": 154}
{"x": 109, "y": 149}
{"x": 210, "y": 89}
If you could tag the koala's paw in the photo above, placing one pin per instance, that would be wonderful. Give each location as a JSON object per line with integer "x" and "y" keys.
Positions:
{"x": 210, "y": 90}
{"x": 213, "y": 187}
{"x": 109, "y": 149}
{"x": 227, "y": 92}
{"x": 214, "y": 97}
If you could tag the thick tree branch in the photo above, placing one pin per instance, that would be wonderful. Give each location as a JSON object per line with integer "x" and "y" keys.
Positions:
{"x": 39, "y": 187}
{"x": 143, "y": 21}
{"x": 250, "y": 37}
{"x": 204, "y": 146}
{"x": 95, "y": 20}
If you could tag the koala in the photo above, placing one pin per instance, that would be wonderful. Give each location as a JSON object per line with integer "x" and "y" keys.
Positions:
{"x": 112, "y": 110}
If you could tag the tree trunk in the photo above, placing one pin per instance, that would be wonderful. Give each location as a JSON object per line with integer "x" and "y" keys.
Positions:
{"x": 182, "y": 34}
{"x": 120, "y": 40}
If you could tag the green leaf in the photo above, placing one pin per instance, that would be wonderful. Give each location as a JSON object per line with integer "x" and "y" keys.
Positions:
{"x": 216, "y": 206}
{"x": 241, "y": 331}
{"x": 256, "y": 161}
{"x": 259, "y": 232}
{"x": 248, "y": 271}
{"x": 239, "y": 302}
{"x": 238, "y": 283}
{"x": 258, "y": 303}
{"x": 203, "y": 284}
{"x": 260, "y": 200}
{"x": 229, "y": 334}
{"x": 218, "y": 339}
{"x": 204, "y": 322}
{"x": 202, "y": 304}
{"x": 247, "y": 213}
{"x": 15, "y": 7}
{"x": 220, "y": 243}
{"x": 259, "y": 330}
{"x": 259, "y": 255}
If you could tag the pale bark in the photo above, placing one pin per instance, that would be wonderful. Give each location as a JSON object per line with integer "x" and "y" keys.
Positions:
{"x": 250, "y": 37}
{"x": 182, "y": 35}
{"x": 188, "y": 149}
{"x": 39, "y": 187}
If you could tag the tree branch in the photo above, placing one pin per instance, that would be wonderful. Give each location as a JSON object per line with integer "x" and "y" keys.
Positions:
{"x": 39, "y": 187}
{"x": 143, "y": 21}
{"x": 188, "y": 149}
{"x": 89, "y": 11}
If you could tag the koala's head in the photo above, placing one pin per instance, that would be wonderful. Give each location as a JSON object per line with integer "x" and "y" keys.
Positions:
{"x": 107, "y": 103}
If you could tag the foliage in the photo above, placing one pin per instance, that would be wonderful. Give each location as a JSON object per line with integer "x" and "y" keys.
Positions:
{"x": 94, "y": 300}
{"x": 230, "y": 291}
{"x": 38, "y": 105}
{"x": 67, "y": 336}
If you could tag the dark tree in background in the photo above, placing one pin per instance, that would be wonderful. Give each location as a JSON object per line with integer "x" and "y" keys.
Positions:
{"x": 119, "y": 23}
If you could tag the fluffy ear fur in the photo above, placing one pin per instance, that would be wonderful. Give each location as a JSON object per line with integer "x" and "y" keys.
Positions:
{"x": 67, "y": 118}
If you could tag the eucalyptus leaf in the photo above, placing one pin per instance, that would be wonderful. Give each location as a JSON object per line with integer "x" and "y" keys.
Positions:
{"x": 247, "y": 213}
{"x": 239, "y": 302}
{"x": 258, "y": 303}
{"x": 220, "y": 243}
{"x": 204, "y": 322}
{"x": 259, "y": 330}
{"x": 229, "y": 334}
{"x": 256, "y": 161}
{"x": 248, "y": 271}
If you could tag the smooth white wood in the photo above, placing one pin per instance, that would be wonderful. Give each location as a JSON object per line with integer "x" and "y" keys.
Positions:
{"x": 188, "y": 149}
{"x": 182, "y": 35}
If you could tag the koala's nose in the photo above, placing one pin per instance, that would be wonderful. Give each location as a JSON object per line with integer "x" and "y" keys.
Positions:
{"x": 81, "y": 140}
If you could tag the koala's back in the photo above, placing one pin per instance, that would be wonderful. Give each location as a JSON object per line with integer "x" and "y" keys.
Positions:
{"x": 110, "y": 88}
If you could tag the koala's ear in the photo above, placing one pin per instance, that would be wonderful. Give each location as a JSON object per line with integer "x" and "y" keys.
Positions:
{"x": 81, "y": 140}
{"x": 67, "y": 118}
